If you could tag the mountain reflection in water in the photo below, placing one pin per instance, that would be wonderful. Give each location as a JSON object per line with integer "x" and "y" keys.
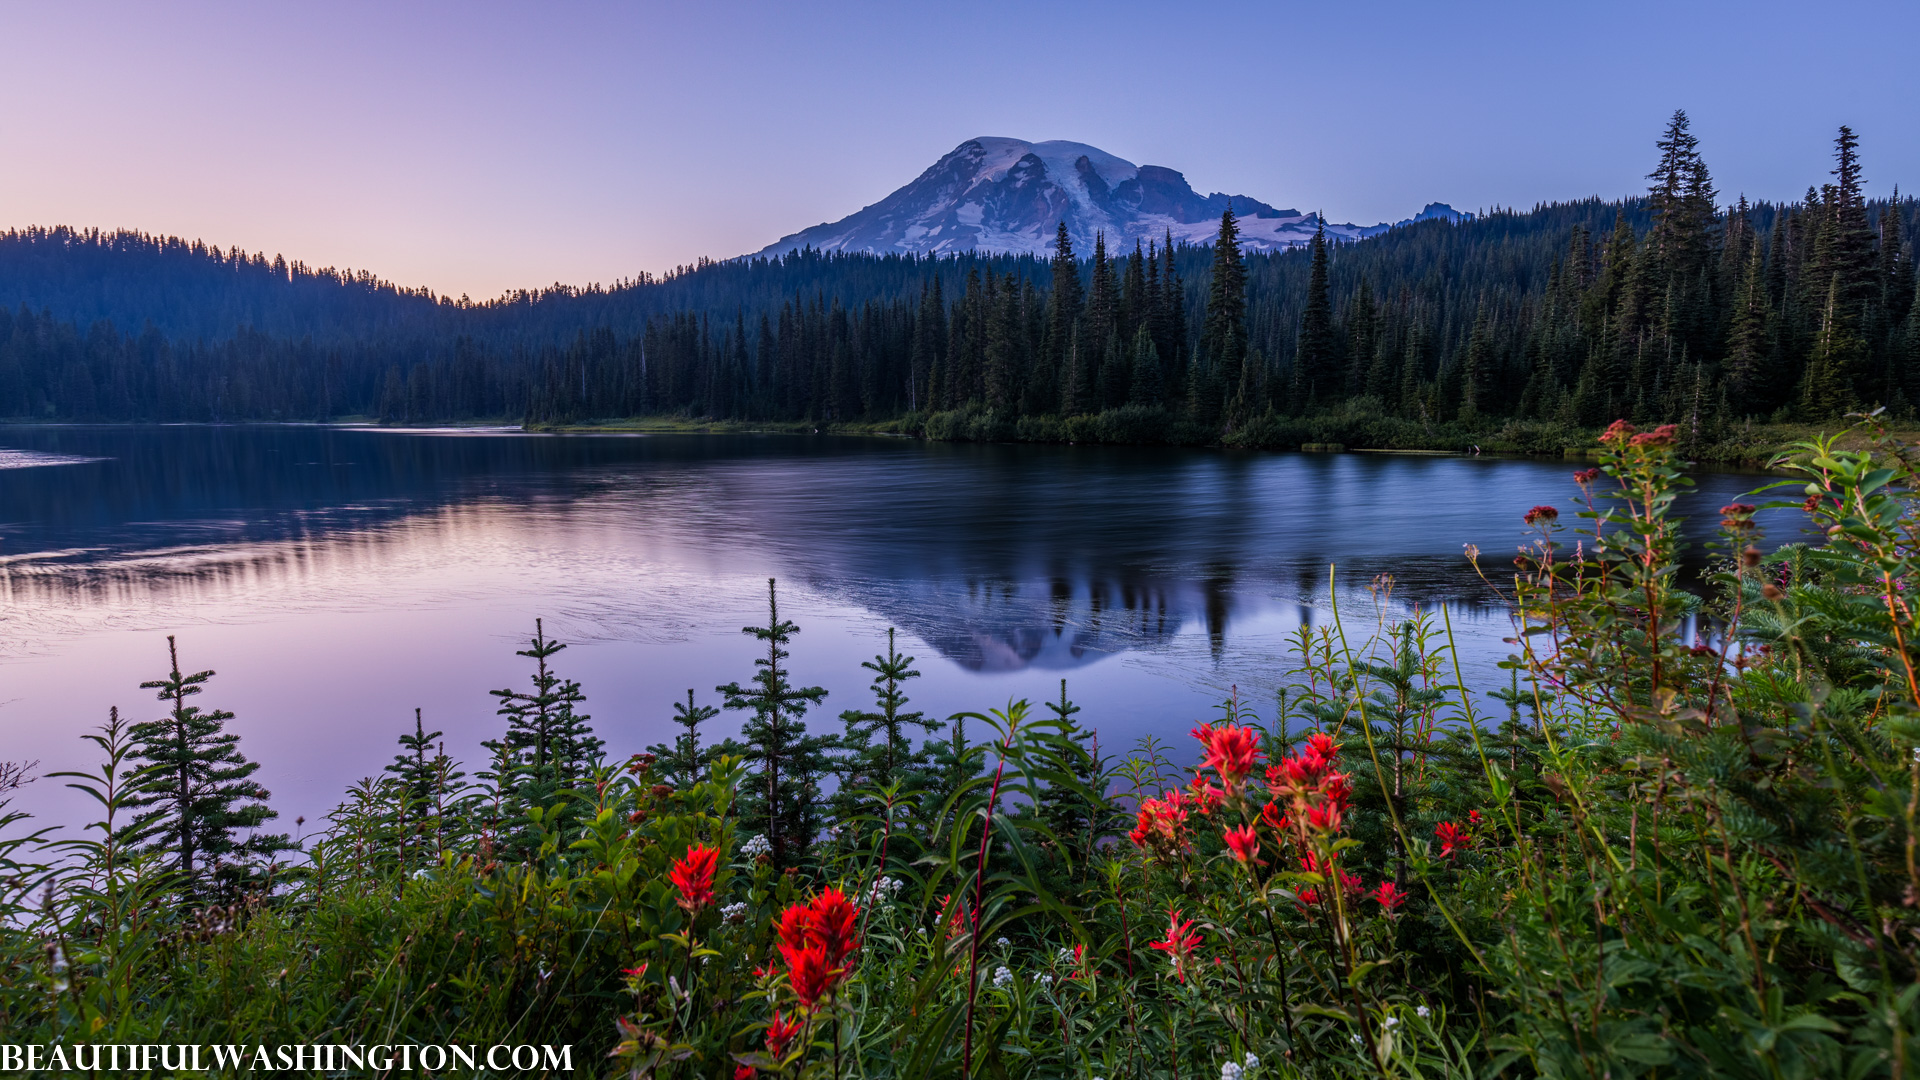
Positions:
{"x": 419, "y": 556}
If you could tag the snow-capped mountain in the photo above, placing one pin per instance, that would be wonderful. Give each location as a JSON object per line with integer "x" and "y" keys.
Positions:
{"x": 1008, "y": 195}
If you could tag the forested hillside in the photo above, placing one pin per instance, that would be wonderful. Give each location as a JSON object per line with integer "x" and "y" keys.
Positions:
{"x": 1671, "y": 306}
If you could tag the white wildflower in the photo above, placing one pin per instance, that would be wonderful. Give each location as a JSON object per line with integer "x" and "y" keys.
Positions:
{"x": 1252, "y": 1061}
{"x": 1231, "y": 1071}
{"x": 1390, "y": 1022}
{"x": 1422, "y": 1012}
{"x": 1002, "y": 976}
{"x": 1046, "y": 980}
{"x": 1355, "y": 1039}
{"x": 756, "y": 846}
{"x": 1002, "y": 942}
{"x": 1065, "y": 956}
{"x": 734, "y": 912}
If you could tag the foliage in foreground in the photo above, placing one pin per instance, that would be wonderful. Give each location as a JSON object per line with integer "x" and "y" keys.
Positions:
{"x": 1680, "y": 842}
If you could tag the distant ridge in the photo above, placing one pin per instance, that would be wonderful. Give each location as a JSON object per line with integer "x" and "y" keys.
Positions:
{"x": 1008, "y": 195}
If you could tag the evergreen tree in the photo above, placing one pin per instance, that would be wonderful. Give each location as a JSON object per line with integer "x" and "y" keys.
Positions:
{"x": 1477, "y": 371}
{"x": 1225, "y": 340}
{"x": 201, "y": 793}
{"x": 1063, "y": 321}
{"x": 784, "y": 804}
{"x": 1148, "y": 385}
{"x": 881, "y": 764}
{"x": 1317, "y": 357}
{"x": 550, "y": 741}
{"x": 685, "y": 762}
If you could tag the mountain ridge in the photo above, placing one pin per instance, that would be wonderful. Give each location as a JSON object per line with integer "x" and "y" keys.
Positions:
{"x": 1003, "y": 195}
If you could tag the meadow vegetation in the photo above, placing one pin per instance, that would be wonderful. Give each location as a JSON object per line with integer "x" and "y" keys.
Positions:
{"x": 1680, "y": 841}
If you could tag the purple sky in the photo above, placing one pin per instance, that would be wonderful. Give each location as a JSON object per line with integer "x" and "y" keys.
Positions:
{"x": 476, "y": 147}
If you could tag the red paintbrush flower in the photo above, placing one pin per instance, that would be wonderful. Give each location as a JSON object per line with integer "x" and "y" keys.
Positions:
{"x": 744, "y": 1072}
{"x": 1453, "y": 839}
{"x": 693, "y": 876}
{"x": 1389, "y": 895}
{"x": 1178, "y": 944}
{"x": 1232, "y": 751}
{"x": 831, "y": 925}
{"x": 1244, "y": 845}
{"x": 793, "y": 925}
{"x": 780, "y": 1033}
{"x": 808, "y": 972}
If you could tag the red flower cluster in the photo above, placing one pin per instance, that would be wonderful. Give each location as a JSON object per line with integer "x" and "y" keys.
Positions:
{"x": 1736, "y": 517}
{"x": 1232, "y": 751}
{"x": 1164, "y": 820}
{"x": 1389, "y": 895}
{"x": 1243, "y": 843}
{"x": 1316, "y": 792}
{"x": 1542, "y": 513}
{"x": 1453, "y": 839}
{"x": 779, "y": 1034}
{"x": 815, "y": 940}
{"x": 693, "y": 876}
{"x": 1178, "y": 944}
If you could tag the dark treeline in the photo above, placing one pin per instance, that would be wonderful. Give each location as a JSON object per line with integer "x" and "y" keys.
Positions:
{"x": 1674, "y": 306}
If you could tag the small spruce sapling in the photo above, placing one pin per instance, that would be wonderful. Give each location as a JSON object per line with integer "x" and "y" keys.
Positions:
{"x": 201, "y": 794}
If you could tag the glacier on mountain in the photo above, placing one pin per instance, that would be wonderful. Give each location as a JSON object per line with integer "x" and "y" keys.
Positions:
{"x": 1009, "y": 195}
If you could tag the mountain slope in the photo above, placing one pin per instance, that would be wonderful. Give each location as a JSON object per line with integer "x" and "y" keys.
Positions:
{"x": 1008, "y": 195}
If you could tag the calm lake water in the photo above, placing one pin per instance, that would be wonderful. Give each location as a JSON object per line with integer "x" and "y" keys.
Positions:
{"x": 337, "y": 578}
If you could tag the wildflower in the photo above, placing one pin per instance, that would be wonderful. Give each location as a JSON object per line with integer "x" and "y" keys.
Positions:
{"x": 1542, "y": 514}
{"x": 1453, "y": 839}
{"x": 793, "y": 926}
{"x": 1736, "y": 517}
{"x": 744, "y": 1072}
{"x": 1586, "y": 476}
{"x": 693, "y": 876}
{"x": 634, "y": 973}
{"x": 1273, "y": 818}
{"x": 1389, "y": 896}
{"x": 734, "y": 912}
{"x": 779, "y": 1034}
{"x": 1308, "y": 899}
{"x": 1252, "y": 1062}
{"x": 1232, "y": 751}
{"x": 1324, "y": 817}
{"x": 1065, "y": 956}
{"x": 1002, "y": 975}
{"x": 808, "y": 972}
{"x": 1178, "y": 944}
{"x": 1002, "y": 942}
{"x": 1206, "y": 797}
{"x": 1473, "y": 817}
{"x": 1231, "y": 1071}
{"x": 831, "y": 925}
{"x": 1243, "y": 843}
{"x": 1390, "y": 1022}
{"x": 756, "y": 846}
{"x": 1046, "y": 980}
{"x": 1422, "y": 1012}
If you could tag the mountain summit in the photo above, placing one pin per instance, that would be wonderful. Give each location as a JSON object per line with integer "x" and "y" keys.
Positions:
{"x": 1009, "y": 195}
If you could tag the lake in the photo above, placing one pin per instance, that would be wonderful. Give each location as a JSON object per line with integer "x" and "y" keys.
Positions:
{"x": 336, "y": 578}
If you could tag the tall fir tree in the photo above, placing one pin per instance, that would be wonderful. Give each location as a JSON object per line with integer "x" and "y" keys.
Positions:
{"x": 1225, "y": 339}
{"x": 1317, "y": 357}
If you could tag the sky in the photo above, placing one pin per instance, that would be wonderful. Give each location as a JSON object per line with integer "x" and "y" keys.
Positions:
{"x": 477, "y": 147}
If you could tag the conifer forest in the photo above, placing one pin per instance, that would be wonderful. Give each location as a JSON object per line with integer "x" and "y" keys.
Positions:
{"x": 1519, "y": 329}
{"x": 1679, "y": 838}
